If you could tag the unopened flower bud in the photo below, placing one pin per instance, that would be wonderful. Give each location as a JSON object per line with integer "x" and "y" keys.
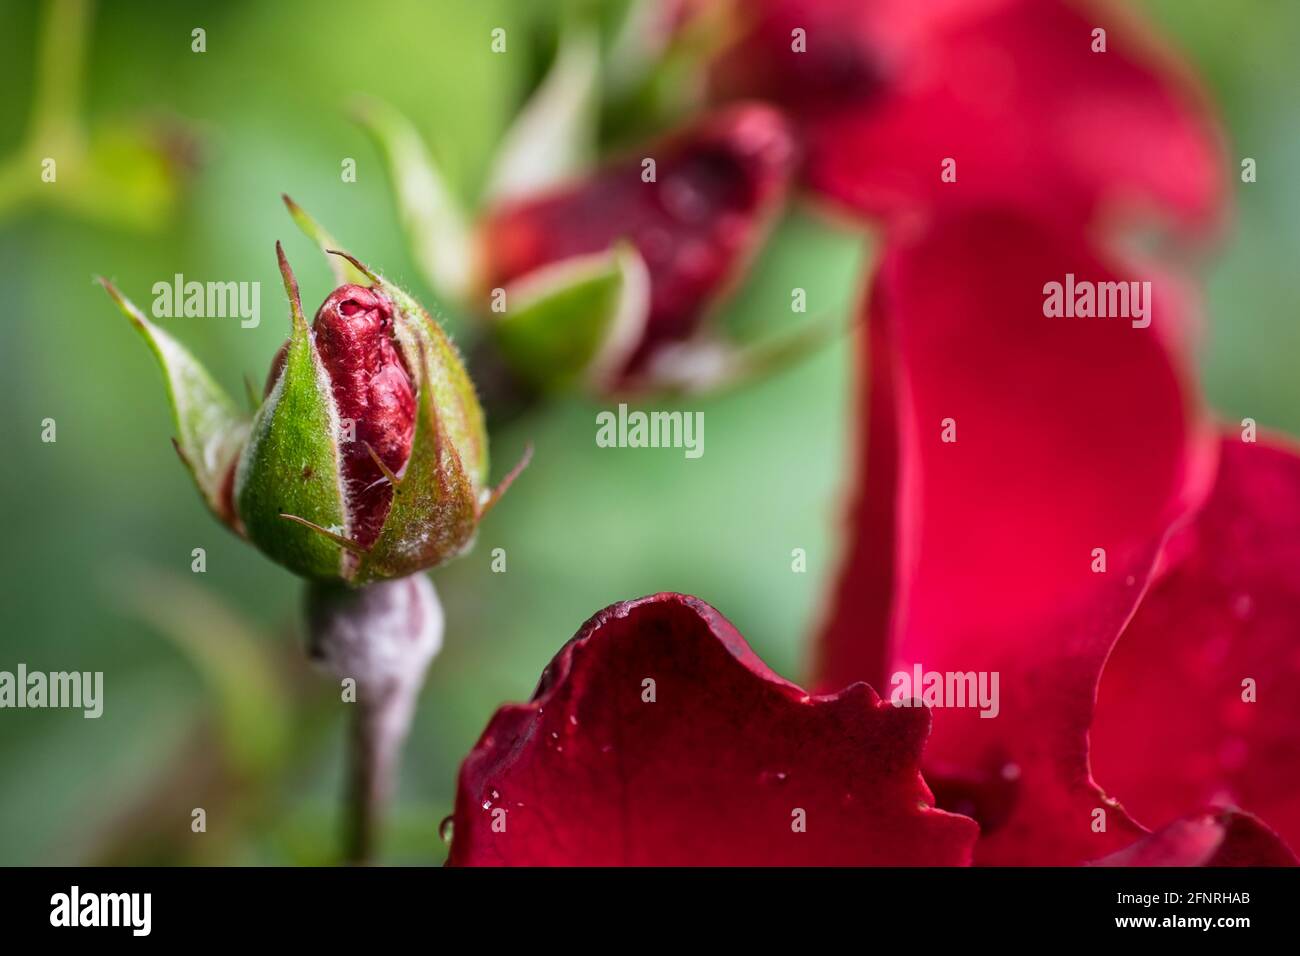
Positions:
{"x": 368, "y": 456}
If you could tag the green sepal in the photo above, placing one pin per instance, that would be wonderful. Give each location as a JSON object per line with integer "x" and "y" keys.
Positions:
{"x": 440, "y": 238}
{"x": 553, "y": 138}
{"x": 289, "y": 475}
{"x": 435, "y": 509}
{"x": 575, "y": 322}
{"x": 711, "y": 364}
{"x": 342, "y": 268}
{"x": 209, "y": 428}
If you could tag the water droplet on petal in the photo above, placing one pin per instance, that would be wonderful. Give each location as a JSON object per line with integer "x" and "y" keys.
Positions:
{"x": 446, "y": 827}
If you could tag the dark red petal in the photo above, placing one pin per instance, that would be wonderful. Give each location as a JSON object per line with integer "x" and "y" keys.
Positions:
{"x": 1072, "y": 434}
{"x": 1217, "y": 837}
{"x": 712, "y": 772}
{"x": 717, "y": 185}
{"x": 821, "y": 57}
{"x": 1172, "y": 729}
{"x": 372, "y": 388}
{"x": 1009, "y": 89}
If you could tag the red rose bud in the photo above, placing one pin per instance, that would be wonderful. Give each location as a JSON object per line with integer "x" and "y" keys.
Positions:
{"x": 715, "y": 188}
{"x": 372, "y": 389}
{"x": 373, "y": 395}
{"x": 368, "y": 458}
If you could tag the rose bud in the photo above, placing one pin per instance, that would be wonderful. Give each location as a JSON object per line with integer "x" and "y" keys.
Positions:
{"x": 367, "y": 458}
{"x": 374, "y": 396}
{"x": 716, "y": 188}
{"x": 601, "y": 276}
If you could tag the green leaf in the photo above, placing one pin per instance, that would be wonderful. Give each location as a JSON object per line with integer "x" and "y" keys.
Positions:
{"x": 440, "y": 240}
{"x": 289, "y": 486}
{"x": 576, "y": 321}
{"x": 210, "y": 430}
{"x": 554, "y": 135}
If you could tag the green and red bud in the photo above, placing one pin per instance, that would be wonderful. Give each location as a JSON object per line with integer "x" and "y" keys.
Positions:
{"x": 372, "y": 391}
{"x": 367, "y": 458}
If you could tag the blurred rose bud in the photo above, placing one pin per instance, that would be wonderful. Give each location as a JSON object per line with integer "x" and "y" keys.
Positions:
{"x": 598, "y": 276}
{"x": 367, "y": 458}
{"x": 693, "y": 208}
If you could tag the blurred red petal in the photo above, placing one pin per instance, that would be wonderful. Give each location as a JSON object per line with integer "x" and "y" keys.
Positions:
{"x": 820, "y": 57}
{"x": 1220, "y": 837}
{"x": 1072, "y": 434}
{"x": 1172, "y": 729}
{"x": 718, "y": 185}
{"x": 1009, "y": 89}
{"x": 714, "y": 771}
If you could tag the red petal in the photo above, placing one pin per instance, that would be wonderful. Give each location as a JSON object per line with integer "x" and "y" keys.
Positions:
{"x": 1072, "y": 434}
{"x": 372, "y": 389}
{"x": 1221, "y": 837}
{"x": 1009, "y": 89}
{"x": 717, "y": 186}
{"x": 820, "y": 57}
{"x": 1172, "y": 729}
{"x": 712, "y": 772}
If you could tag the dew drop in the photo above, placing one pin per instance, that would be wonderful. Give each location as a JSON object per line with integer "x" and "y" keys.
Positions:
{"x": 446, "y": 827}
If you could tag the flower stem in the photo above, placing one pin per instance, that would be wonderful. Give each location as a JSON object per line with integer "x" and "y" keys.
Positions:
{"x": 381, "y": 638}
{"x": 369, "y": 785}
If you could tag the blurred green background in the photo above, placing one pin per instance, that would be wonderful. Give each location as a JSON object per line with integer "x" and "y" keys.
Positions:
{"x": 208, "y": 702}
